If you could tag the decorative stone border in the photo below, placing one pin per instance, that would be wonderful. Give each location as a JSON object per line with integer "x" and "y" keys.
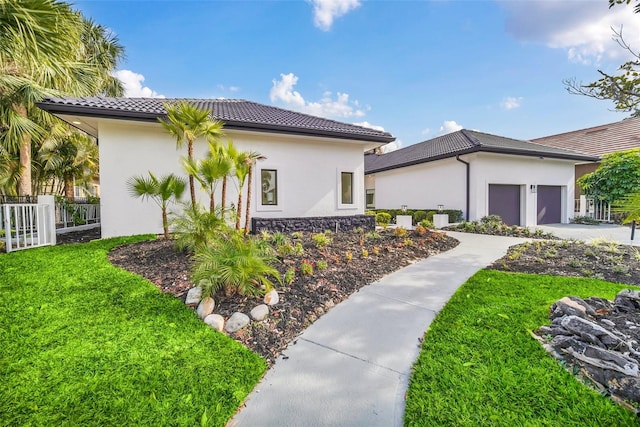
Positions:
{"x": 314, "y": 224}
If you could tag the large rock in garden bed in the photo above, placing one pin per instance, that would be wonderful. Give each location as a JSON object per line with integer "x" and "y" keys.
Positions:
{"x": 600, "y": 340}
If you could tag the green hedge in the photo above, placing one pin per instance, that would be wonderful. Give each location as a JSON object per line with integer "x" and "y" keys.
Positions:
{"x": 455, "y": 215}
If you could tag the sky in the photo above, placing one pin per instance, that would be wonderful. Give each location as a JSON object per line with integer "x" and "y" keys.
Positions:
{"x": 416, "y": 69}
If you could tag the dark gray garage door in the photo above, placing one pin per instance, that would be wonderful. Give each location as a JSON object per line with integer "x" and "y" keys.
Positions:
{"x": 549, "y": 204}
{"x": 504, "y": 200}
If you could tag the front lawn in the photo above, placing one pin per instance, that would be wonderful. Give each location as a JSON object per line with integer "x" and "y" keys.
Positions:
{"x": 480, "y": 366}
{"x": 85, "y": 343}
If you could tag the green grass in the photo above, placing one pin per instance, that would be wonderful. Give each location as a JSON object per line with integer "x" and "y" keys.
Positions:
{"x": 85, "y": 343}
{"x": 479, "y": 365}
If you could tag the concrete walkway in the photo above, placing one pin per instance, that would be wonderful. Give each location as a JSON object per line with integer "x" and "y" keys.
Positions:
{"x": 352, "y": 366}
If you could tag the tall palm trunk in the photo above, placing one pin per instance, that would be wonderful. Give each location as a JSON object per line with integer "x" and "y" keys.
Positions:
{"x": 69, "y": 194}
{"x": 24, "y": 185}
{"x": 192, "y": 185}
{"x": 247, "y": 213}
{"x": 224, "y": 192}
{"x": 239, "y": 207}
{"x": 165, "y": 222}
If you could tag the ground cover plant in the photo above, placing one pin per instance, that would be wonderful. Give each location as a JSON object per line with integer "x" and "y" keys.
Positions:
{"x": 480, "y": 365}
{"x": 318, "y": 270}
{"x": 493, "y": 225}
{"x": 86, "y": 343}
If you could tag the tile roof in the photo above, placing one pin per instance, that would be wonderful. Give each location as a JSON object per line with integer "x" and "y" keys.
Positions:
{"x": 236, "y": 113}
{"x": 599, "y": 140}
{"x": 464, "y": 142}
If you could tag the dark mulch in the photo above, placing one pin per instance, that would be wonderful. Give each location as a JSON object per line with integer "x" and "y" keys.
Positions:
{"x": 304, "y": 300}
{"x": 83, "y": 236}
{"x": 604, "y": 260}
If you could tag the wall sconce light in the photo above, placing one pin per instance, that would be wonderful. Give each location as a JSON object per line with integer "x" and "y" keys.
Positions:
{"x": 440, "y": 208}
{"x": 534, "y": 188}
{"x": 403, "y": 208}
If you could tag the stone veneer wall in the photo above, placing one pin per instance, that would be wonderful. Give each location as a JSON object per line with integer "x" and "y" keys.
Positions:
{"x": 314, "y": 224}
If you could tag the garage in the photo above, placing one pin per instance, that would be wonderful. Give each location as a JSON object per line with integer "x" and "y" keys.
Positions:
{"x": 504, "y": 200}
{"x": 549, "y": 204}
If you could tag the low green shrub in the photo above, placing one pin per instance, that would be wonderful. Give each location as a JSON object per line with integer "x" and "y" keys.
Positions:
{"x": 419, "y": 216}
{"x": 587, "y": 220}
{"x": 383, "y": 218}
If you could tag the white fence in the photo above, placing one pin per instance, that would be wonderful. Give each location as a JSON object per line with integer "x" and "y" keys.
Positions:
{"x": 30, "y": 225}
{"x": 596, "y": 209}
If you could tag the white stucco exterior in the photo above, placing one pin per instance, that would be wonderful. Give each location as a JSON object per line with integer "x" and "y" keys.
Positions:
{"x": 308, "y": 172}
{"x": 426, "y": 185}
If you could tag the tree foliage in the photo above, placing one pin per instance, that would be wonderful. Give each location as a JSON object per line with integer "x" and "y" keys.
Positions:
{"x": 616, "y": 178}
{"x": 622, "y": 88}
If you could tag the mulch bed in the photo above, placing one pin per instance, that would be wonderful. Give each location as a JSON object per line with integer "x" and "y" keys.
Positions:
{"x": 601, "y": 260}
{"x": 308, "y": 296}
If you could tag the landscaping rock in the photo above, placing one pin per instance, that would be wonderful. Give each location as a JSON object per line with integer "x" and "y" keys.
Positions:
{"x": 600, "y": 340}
{"x": 272, "y": 297}
{"x": 206, "y": 307}
{"x": 259, "y": 312}
{"x": 215, "y": 321}
{"x": 193, "y": 296}
{"x": 236, "y": 322}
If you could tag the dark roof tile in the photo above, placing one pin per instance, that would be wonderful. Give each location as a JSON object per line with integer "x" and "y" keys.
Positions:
{"x": 463, "y": 142}
{"x": 236, "y": 113}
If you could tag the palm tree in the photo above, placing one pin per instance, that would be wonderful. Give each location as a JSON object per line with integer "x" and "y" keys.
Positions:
{"x": 252, "y": 157}
{"x": 162, "y": 191}
{"x": 67, "y": 156}
{"x": 227, "y": 154}
{"x": 186, "y": 123}
{"x": 241, "y": 171}
{"x": 209, "y": 171}
{"x": 47, "y": 49}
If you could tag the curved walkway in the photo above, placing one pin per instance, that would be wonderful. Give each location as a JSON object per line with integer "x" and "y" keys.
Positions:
{"x": 352, "y": 366}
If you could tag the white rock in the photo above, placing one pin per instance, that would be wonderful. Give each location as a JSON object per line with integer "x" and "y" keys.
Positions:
{"x": 259, "y": 312}
{"x": 193, "y": 296}
{"x": 272, "y": 297}
{"x": 236, "y": 322}
{"x": 206, "y": 307}
{"x": 215, "y": 321}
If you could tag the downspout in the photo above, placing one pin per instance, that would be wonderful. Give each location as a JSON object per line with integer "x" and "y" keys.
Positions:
{"x": 466, "y": 213}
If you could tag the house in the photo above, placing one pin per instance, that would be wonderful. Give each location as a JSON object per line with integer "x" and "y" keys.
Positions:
{"x": 312, "y": 176}
{"x": 480, "y": 174}
{"x": 596, "y": 141}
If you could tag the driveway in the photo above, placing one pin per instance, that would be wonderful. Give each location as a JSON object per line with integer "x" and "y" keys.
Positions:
{"x": 618, "y": 233}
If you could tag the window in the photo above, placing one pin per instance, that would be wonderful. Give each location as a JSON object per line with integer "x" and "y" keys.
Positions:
{"x": 269, "y": 187}
{"x": 346, "y": 188}
{"x": 371, "y": 201}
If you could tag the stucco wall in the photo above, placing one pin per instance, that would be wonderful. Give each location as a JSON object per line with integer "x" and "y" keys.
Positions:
{"x": 443, "y": 182}
{"x": 423, "y": 186}
{"x": 308, "y": 173}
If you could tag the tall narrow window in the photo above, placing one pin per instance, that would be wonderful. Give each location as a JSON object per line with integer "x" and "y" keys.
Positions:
{"x": 269, "y": 185}
{"x": 371, "y": 203}
{"x": 347, "y": 188}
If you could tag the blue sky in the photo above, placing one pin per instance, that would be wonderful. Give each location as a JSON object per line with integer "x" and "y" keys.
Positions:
{"x": 417, "y": 69}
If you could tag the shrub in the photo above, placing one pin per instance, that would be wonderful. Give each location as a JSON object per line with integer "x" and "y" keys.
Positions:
{"x": 306, "y": 267}
{"x": 587, "y": 220}
{"x": 348, "y": 256}
{"x": 290, "y": 275}
{"x": 321, "y": 239}
{"x": 365, "y": 253}
{"x": 369, "y": 212}
{"x": 235, "y": 264}
{"x": 419, "y": 216}
{"x": 430, "y": 215}
{"x": 322, "y": 265}
{"x": 196, "y": 228}
{"x": 426, "y": 223}
{"x": 420, "y": 230}
{"x": 400, "y": 232}
{"x": 296, "y": 235}
{"x": 383, "y": 218}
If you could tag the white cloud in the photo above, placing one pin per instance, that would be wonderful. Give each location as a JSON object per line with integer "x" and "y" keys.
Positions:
{"x": 325, "y": 11}
{"x": 582, "y": 28}
{"x": 392, "y": 146}
{"x": 449, "y": 126}
{"x": 366, "y": 124}
{"x": 426, "y": 131}
{"x": 228, "y": 88}
{"x": 132, "y": 83}
{"x": 283, "y": 92}
{"x": 511, "y": 102}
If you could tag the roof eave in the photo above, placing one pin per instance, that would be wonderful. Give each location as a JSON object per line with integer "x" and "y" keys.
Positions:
{"x": 98, "y": 112}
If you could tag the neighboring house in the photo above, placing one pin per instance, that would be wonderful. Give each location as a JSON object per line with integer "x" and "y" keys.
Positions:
{"x": 478, "y": 173}
{"x": 314, "y": 167}
{"x": 596, "y": 141}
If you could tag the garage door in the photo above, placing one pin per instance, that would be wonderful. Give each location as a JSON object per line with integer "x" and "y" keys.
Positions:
{"x": 504, "y": 200}
{"x": 549, "y": 204}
